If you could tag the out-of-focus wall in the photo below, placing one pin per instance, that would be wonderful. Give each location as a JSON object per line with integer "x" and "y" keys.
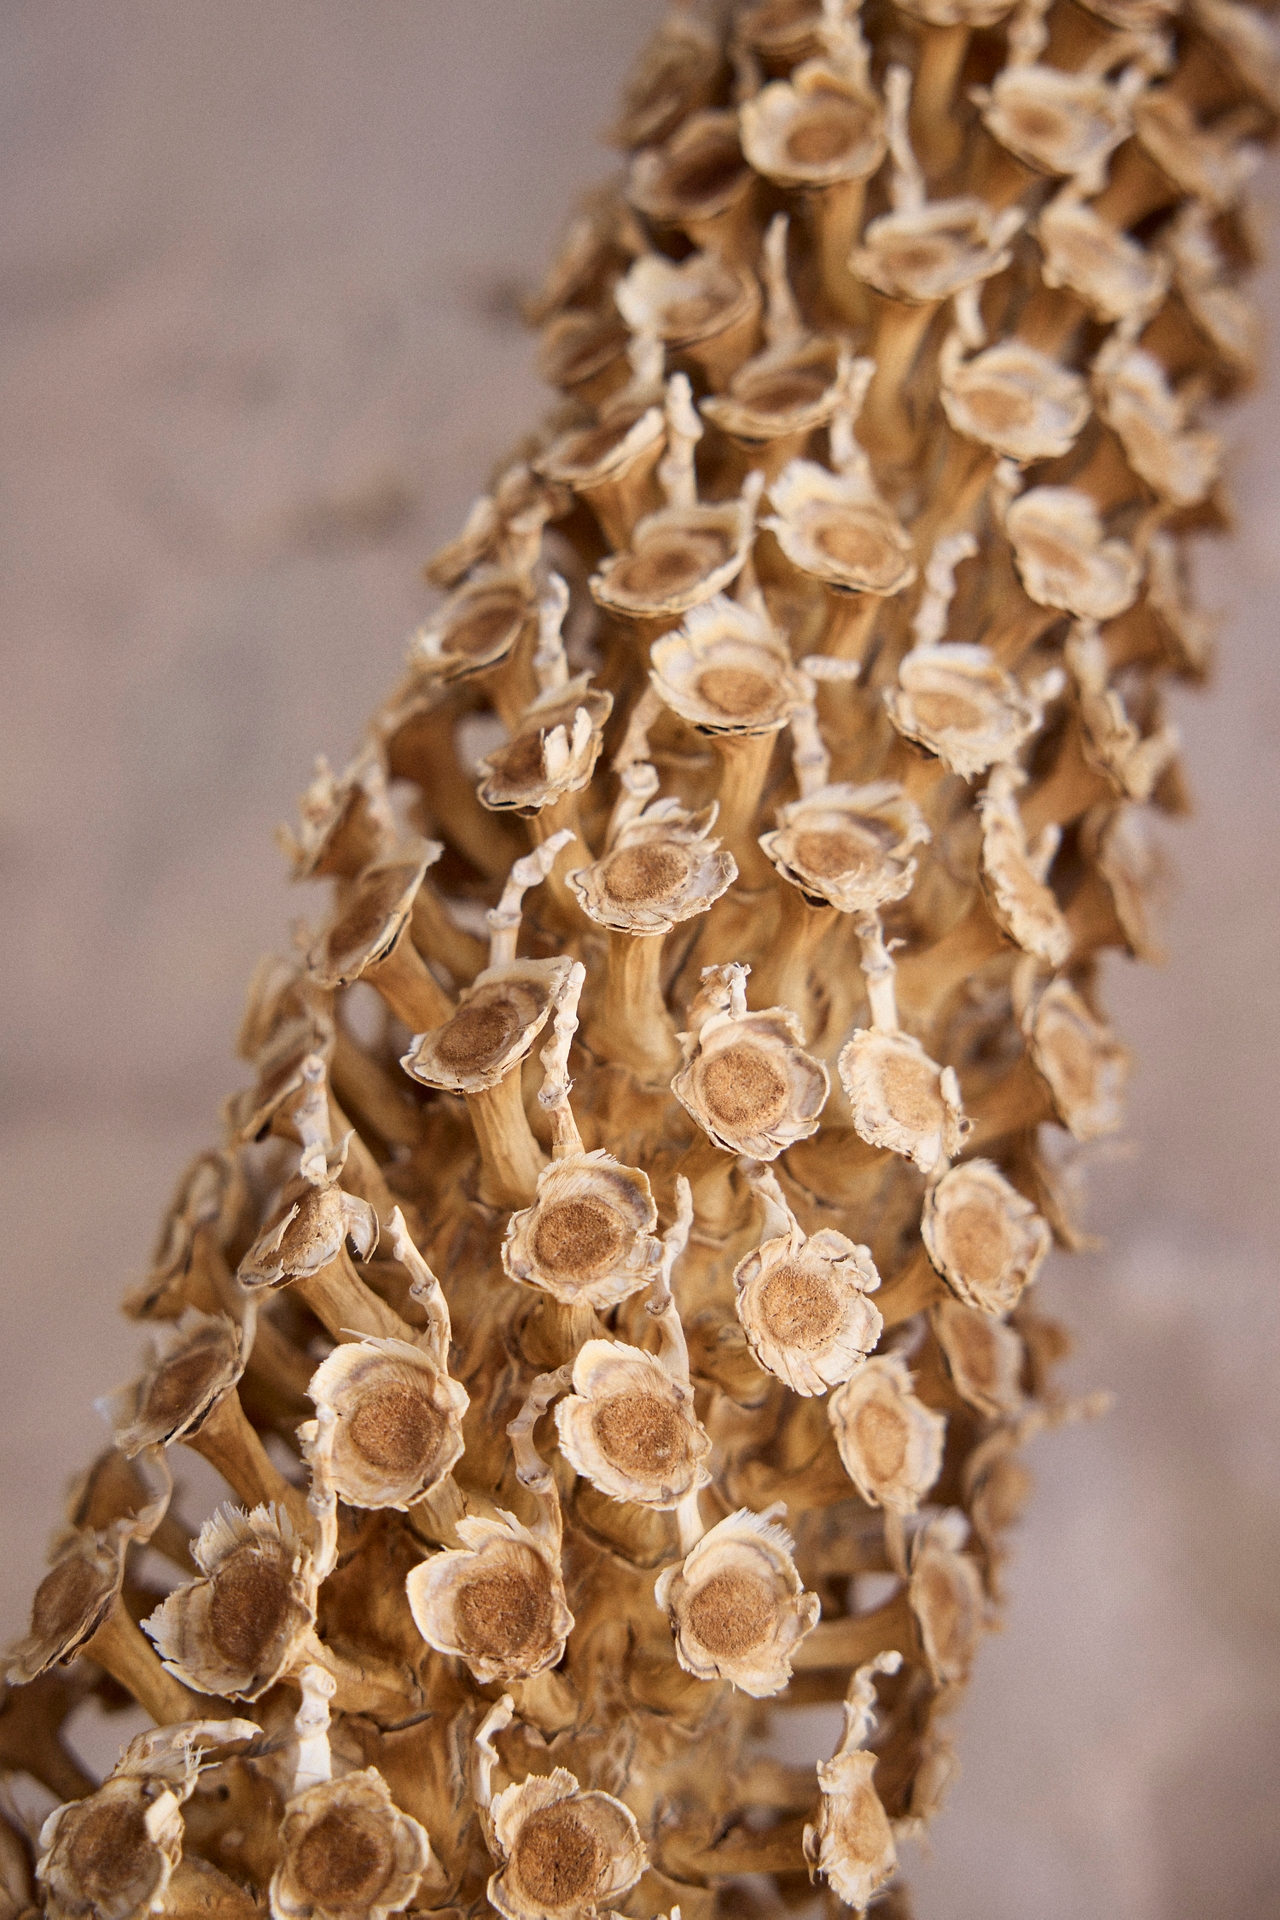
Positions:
{"x": 258, "y": 352}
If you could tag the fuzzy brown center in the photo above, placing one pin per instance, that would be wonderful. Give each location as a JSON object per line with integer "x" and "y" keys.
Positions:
{"x": 398, "y": 1428}
{"x": 858, "y": 545}
{"x": 784, "y": 388}
{"x": 370, "y": 916}
{"x": 696, "y": 314}
{"x": 655, "y": 870}
{"x": 833, "y": 853}
{"x": 800, "y": 1306}
{"x": 345, "y": 1859}
{"x": 578, "y": 1239}
{"x": 744, "y": 1089}
{"x": 732, "y": 1613}
{"x": 710, "y": 175}
{"x": 740, "y": 693}
{"x": 881, "y": 1434}
{"x": 249, "y": 1609}
{"x": 670, "y": 562}
{"x": 66, "y": 1599}
{"x": 978, "y": 1241}
{"x": 476, "y": 1035}
{"x": 641, "y": 1434}
{"x": 910, "y": 1088}
{"x": 521, "y": 763}
{"x": 824, "y": 134}
{"x": 557, "y": 1857}
{"x": 180, "y": 1385}
{"x": 973, "y": 1351}
{"x": 999, "y": 408}
{"x": 487, "y": 626}
{"x": 111, "y": 1855}
{"x": 316, "y": 1231}
{"x": 505, "y": 1612}
{"x": 943, "y": 711}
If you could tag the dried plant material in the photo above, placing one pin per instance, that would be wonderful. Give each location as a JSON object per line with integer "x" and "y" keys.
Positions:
{"x": 802, "y": 1299}
{"x": 737, "y": 1606}
{"x": 984, "y": 1358}
{"x": 588, "y": 1237}
{"x": 397, "y": 1422}
{"x": 1063, "y": 557}
{"x": 945, "y": 1593}
{"x": 565, "y": 1854}
{"x": 984, "y": 1238}
{"x": 851, "y": 1843}
{"x": 1083, "y": 1064}
{"x": 852, "y": 847}
{"x": 498, "y": 1602}
{"x": 347, "y": 1849}
{"x": 1179, "y": 464}
{"x": 889, "y": 1441}
{"x": 630, "y": 1428}
{"x": 247, "y": 1620}
{"x": 885, "y": 369}
{"x": 746, "y": 1078}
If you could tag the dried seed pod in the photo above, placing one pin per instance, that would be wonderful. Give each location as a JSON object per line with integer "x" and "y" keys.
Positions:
{"x": 552, "y": 753}
{"x": 984, "y": 1238}
{"x": 247, "y": 1620}
{"x": 1063, "y": 558}
{"x": 369, "y": 939}
{"x": 1133, "y": 396}
{"x": 192, "y": 1366}
{"x": 308, "y": 1229}
{"x": 1012, "y": 398}
{"x": 630, "y": 1429}
{"x": 889, "y": 1441}
{"x": 958, "y": 702}
{"x": 851, "y": 1843}
{"x": 702, "y": 309}
{"x": 945, "y": 1594}
{"x": 565, "y": 1854}
{"x": 697, "y": 181}
{"x": 1115, "y": 277}
{"x": 674, "y": 75}
{"x": 346, "y": 1849}
{"x": 588, "y": 1237}
{"x": 498, "y": 1602}
{"x": 397, "y": 1426}
{"x": 1080, "y": 1059}
{"x": 984, "y": 1358}
{"x": 851, "y": 847}
{"x": 661, "y": 866}
{"x": 746, "y": 1078}
{"x": 737, "y": 1606}
{"x": 346, "y": 820}
{"x": 1014, "y": 873}
{"x": 802, "y": 1299}
{"x": 725, "y": 672}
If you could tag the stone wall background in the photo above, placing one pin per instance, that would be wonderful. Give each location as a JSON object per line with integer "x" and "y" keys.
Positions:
{"x": 258, "y": 349}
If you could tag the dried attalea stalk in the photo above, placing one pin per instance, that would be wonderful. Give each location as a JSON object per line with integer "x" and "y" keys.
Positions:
{"x": 624, "y": 1243}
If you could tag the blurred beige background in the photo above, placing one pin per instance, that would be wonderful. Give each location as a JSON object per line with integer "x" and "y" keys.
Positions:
{"x": 259, "y": 348}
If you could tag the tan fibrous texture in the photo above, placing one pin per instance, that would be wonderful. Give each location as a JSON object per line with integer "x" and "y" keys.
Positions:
{"x": 610, "y": 1304}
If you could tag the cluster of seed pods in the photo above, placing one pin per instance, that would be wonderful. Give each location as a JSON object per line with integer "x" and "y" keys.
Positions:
{"x": 610, "y": 1305}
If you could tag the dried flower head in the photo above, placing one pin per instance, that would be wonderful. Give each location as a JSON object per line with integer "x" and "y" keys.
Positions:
{"x": 802, "y": 1299}
{"x": 746, "y": 1078}
{"x": 70, "y": 1604}
{"x": 662, "y": 867}
{"x": 347, "y": 1851}
{"x": 700, "y": 307}
{"x": 851, "y": 1842}
{"x": 1084, "y": 1065}
{"x": 678, "y": 558}
{"x": 498, "y": 1019}
{"x": 1116, "y": 277}
{"x": 111, "y": 1855}
{"x": 983, "y": 1236}
{"x": 945, "y": 1593}
{"x": 1178, "y": 463}
{"x": 737, "y": 1606}
{"x": 552, "y": 752}
{"x": 1212, "y": 165}
{"x": 588, "y": 1237}
{"x": 497, "y": 1602}
{"x": 565, "y": 1853}
{"x": 1014, "y": 873}
{"x": 1012, "y": 398}
{"x": 1059, "y": 123}
{"x": 851, "y": 847}
{"x": 245, "y": 1622}
{"x": 309, "y": 1227}
{"x": 503, "y": 529}
{"x": 901, "y": 1099}
{"x": 192, "y": 1365}
{"x": 697, "y": 175}
{"x": 984, "y": 1358}
{"x": 958, "y": 701}
{"x": 725, "y": 671}
{"x": 478, "y": 627}
{"x": 397, "y": 1425}
{"x": 822, "y": 125}
{"x": 346, "y": 820}
{"x": 1063, "y": 557}
{"x": 674, "y": 75}
{"x": 889, "y": 1441}
{"x": 629, "y": 1427}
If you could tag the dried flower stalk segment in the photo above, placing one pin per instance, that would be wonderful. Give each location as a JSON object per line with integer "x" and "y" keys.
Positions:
{"x": 814, "y": 649}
